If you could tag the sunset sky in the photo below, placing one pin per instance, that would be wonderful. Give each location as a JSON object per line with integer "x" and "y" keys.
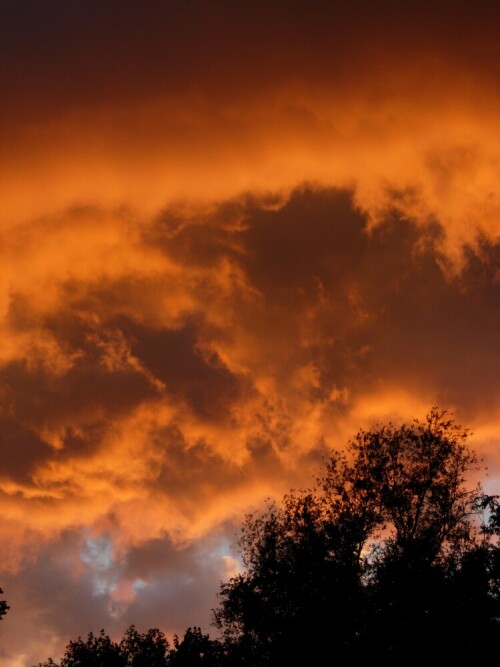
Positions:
{"x": 232, "y": 233}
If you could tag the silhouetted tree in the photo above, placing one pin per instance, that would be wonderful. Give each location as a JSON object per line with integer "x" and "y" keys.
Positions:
{"x": 196, "y": 649}
{"x": 98, "y": 651}
{"x": 384, "y": 557}
{"x": 4, "y": 607}
{"x": 149, "y": 649}
{"x": 392, "y": 554}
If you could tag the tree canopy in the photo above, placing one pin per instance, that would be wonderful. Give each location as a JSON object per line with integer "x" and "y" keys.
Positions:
{"x": 148, "y": 649}
{"x": 4, "y": 607}
{"x": 393, "y": 553}
{"x": 386, "y": 556}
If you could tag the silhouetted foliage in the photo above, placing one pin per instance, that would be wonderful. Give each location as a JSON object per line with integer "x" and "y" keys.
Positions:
{"x": 4, "y": 607}
{"x": 148, "y": 649}
{"x": 385, "y": 557}
{"x": 98, "y": 651}
{"x": 195, "y": 649}
{"x": 392, "y": 554}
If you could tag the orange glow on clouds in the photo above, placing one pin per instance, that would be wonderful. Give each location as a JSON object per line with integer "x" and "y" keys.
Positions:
{"x": 217, "y": 263}
{"x": 432, "y": 155}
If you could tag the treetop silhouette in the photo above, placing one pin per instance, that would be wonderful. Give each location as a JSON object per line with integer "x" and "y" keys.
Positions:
{"x": 386, "y": 553}
{"x": 4, "y": 607}
{"x": 394, "y": 553}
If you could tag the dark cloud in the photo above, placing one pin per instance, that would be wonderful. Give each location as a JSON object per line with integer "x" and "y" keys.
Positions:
{"x": 438, "y": 332}
{"x": 316, "y": 237}
{"x": 80, "y": 397}
{"x": 197, "y": 478}
{"x": 180, "y": 580}
{"x": 203, "y": 239}
{"x": 62, "y": 55}
{"x": 391, "y": 310}
{"x": 380, "y": 303}
{"x": 360, "y": 307}
{"x": 175, "y": 358}
{"x": 22, "y": 449}
{"x": 174, "y": 351}
{"x": 213, "y": 381}
{"x": 71, "y": 589}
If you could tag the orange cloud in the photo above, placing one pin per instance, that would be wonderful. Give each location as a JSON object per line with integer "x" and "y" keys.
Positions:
{"x": 250, "y": 337}
{"x": 228, "y": 239}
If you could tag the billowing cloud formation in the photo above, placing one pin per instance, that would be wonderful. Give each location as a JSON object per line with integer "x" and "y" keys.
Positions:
{"x": 229, "y": 238}
{"x": 197, "y": 362}
{"x": 140, "y": 105}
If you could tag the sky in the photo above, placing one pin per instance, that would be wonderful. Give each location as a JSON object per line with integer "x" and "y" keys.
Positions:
{"x": 231, "y": 235}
